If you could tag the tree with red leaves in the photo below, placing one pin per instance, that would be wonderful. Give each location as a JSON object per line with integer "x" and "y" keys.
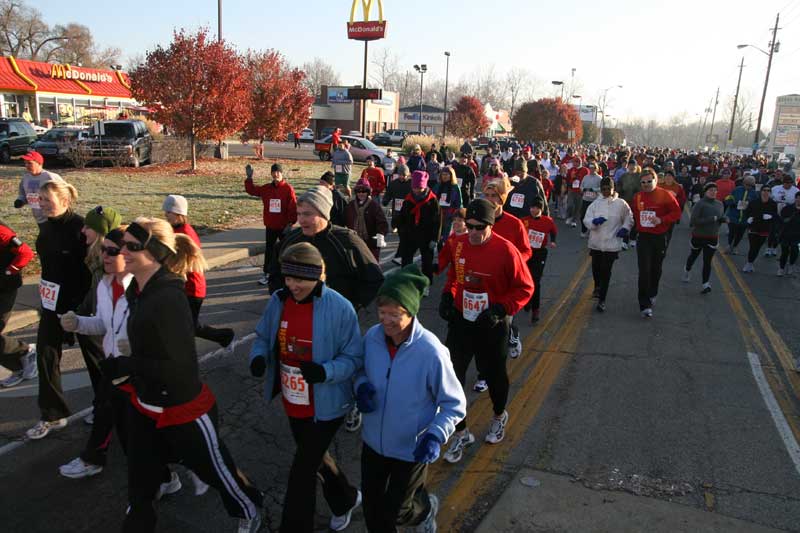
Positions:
{"x": 548, "y": 119}
{"x": 468, "y": 119}
{"x": 279, "y": 102}
{"x": 197, "y": 87}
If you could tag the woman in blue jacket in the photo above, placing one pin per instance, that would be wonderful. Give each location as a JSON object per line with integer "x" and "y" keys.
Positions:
{"x": 735, "y": 205}
{"x": 308, "y": 344}
{"x": 411, "y": 401}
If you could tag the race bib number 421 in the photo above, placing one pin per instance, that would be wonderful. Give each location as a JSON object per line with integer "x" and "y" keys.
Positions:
{"x": 48, "y": 292}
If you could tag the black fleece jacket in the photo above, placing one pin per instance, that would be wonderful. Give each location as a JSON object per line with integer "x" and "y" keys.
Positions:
{"x": 62, "y": 250}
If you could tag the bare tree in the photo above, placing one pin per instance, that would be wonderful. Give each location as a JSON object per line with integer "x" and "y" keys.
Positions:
{"x": 516, "y": 79}
{"x": 319, "y": 73}
{"x": 385, "y": 69}
{"x": 134, "y": 61}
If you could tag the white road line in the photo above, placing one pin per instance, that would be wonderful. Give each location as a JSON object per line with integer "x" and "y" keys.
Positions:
{"x": 229, "y": 349}
{"x": 11, "y": 446}
{"x": 775, "y": 411}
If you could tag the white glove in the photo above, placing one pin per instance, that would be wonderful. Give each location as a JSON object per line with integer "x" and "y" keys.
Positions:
{"x": 123, "y": 347}
{"x": 381, "y": 240}
{"x": 69, "y": 321}
{"x": 750, "y": 220}
{"x": 766, "y": 216}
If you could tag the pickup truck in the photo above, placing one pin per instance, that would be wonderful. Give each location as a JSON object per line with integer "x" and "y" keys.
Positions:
{"x": 390, "y": 137}
{"x": 124, "y": 142}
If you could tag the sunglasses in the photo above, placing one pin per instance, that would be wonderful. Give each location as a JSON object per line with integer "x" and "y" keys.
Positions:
{"x": 98, "y": 209}
{"x": 133, "y": 246}
{"x": 110, "y": 251}
{"x": 646, "y": 182}
{"x": 476, "y": 227}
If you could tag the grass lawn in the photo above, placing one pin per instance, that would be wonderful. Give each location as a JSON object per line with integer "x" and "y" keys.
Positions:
{"x": 217, "y": 200}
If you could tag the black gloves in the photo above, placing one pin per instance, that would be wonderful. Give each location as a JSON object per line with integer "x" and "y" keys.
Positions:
{"x": 248, "y": 170}
{"x": 490, "y": 317}
{"x": 446, "y": 308}
{"x": 116, "y": 367}
{"x": 18, "y": 203}
{"x": 258, "y": 365}
{"x": 312, "y": 372}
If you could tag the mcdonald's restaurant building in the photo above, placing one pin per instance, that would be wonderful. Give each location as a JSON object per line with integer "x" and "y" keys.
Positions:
{"x": 63, "y": 94}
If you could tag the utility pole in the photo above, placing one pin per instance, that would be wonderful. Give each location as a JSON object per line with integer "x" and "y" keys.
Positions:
{"x": 446, "y": 78}
{"x": 714, "y": 114}
{"x": 219, "y": 20}
{"x": 707, "y": 110}
{"x": 364, "y": 102}
{"x": 766, "y": 82}
{"x": 735, "y": 102}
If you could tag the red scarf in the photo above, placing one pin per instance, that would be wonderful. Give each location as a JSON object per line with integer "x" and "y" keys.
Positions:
{"x": 417, "y": 209}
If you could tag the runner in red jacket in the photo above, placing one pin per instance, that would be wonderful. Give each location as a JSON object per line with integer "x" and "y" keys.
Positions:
{"x": 280, "y": 209}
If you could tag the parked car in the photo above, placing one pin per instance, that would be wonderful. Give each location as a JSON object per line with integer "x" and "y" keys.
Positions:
{"x": 124, "y": 142}
{"x": 307, "y": 135}
{"x": 40, "y": 130}
{"x": 390, "y": 137}
{"x": 354, "y": 133}
{"x": 57, "y": 142}
{"x": 16, "y": 138}
{"x": 361, "y": 148}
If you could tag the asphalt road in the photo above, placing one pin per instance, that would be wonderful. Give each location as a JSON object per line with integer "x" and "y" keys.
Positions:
{"x": 665, "y": 409}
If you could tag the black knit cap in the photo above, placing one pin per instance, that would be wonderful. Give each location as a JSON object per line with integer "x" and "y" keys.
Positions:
{"x": 481, "y": 210}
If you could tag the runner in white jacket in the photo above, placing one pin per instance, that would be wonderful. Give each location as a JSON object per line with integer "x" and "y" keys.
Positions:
{"x": 609, "y": 220}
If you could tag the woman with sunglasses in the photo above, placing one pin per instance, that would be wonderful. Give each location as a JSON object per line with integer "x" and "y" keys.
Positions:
{"x": 64, "y": 283}
{"x": 170, "y": 407}
{"x": 308, "y": 344}
{"x": 365, "y": 216}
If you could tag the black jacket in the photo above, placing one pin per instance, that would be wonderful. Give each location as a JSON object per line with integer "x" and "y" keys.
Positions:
{"x": 466, "y": 177}
{"x": 529, "y": 188}
{"x": 790, "y": 219}
{"x": 62, "y": 250}
{"x": 757, "y": 209}
{"x": 337, "y": 211}
{"x": 350, "y": 267}
{"x": 396, "y": 190}
{"x": 430, "y": 221}
{"x": 164, "y": 368}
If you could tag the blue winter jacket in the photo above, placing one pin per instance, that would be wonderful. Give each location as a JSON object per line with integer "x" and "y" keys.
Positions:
{"x": 336, "y": 345}
{"x": 738, "y": 194}
{"x": 417, "y": 392}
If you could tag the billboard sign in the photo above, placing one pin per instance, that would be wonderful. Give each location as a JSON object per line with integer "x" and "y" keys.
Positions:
{"x": 366, "y": 30}
{"x": 339, "y": 95}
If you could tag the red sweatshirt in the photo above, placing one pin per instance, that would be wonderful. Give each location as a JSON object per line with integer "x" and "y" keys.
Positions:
{"x": 575, "y": 177}
{"x": 22, "y": 253}
{"x": 195, "y": 281}
{"x": 511, "y": 229}
{"x": 541, "y": 231}
{"x": 494, "y": 268}
{"x": 280, "y": 203}
{"x": 659, "y": 203}
{"x": 376, "y": 178}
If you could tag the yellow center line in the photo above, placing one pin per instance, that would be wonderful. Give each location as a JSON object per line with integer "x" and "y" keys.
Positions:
{"x": 489, "y": 459}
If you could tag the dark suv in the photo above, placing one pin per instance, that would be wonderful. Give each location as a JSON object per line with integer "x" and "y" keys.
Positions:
{"x": 124, "y": 142}
{"x": 16, "y": 138}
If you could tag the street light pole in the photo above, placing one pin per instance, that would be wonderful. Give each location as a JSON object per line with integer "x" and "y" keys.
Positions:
{"x": 561, "y": 83}
{"x": 603, "y": 110}
{"x": 422, "y": 69}
{"x": 219, "y": 20}
{"x": 735, "y": 102}
{"x": 446, "y": 77}
{"x": 714, "y": 115}
{"x": 766, "y": 82}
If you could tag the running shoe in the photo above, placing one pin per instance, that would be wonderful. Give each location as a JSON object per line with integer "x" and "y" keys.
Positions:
{"x": 601, "y": 306}
{"x": 397, "y": 261}
{"x": 781, "y": 272}
{"x": 624, "y": 247}
{"x": 263, "y": 280}
{"x": 633, "y": 244}
{"x": 584, "y": 234}
{"x": 170, "y": 487}
{"x": 429, "y": 524}
{"x": 686, "y": 277}
{"x": 647, "y": 313}
{"x": 574, "y": 224}
{"x": 200, "y": 486}
{"x": 43, "y": 427}
{"x": 353, "y": 420}
{"x": 706, "y": 288}
{"x": 250, "y": 525}
{"x": 514, "y": 345}
{"x": 426, "y": 292}
{"x": 338, "y": 523}
{"x": 14, "y": 379}
{"x": 498, "y": 429}
{"x": 461, "y": 439}
{"x": 480, "y": 386}
{"x": 748, "y": 268}
{"x": 77, "y": 469}
{"x": 29, "y": 368}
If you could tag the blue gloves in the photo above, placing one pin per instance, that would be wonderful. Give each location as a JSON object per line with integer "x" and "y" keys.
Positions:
{"x": 365, "y": 398}
{"x": 623, "y": 232}
{"x": 428, "y": 448}
{"x": 599, "y": 220}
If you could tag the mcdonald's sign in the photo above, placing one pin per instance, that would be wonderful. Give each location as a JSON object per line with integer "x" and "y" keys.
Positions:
{"x": 366, "y": 30}
{"x": 67, "y": 72}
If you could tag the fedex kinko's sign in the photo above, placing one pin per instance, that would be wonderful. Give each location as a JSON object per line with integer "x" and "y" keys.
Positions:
{"x": 366, "y": 30}
{"x": 66, "y": 72}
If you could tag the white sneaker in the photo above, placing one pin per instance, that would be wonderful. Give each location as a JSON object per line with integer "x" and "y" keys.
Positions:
{"x": 29, "y": 368}
{"x": 685, "y": 278}
{"x": 633, "y": 244}
{"x": 170, "y": 487}
{"x": 574, "y": 224}
{"x": 353, "y": 420}
{"x": 43, "y": 427}
{"x": 263, "y": 280}
{"x": 338, "y": 523}
{"x": 748, "y": 267}
{"x": 14, "y": 379}
{"x": 498, "y": 429}
{"x": 77, "y": 469}
{"x": 647, "y": 313}
{"x": 249, "y": 526}
{"x": 429, "y": 524}
{"x": 514, "y": 345}
{"x": 426, "y": 292}
{"x": 781, "y": 272}
{"x": 480, "y": 386}
{"x": 584, "y": 234}
{"x": 461, "y": 440}
{"x": 625, "y": 247}
{"x": 200, "y": 486}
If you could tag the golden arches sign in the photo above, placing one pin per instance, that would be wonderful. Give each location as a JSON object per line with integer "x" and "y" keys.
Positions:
{"x": 364, "y": 30}
{"x": 366, "y": 6}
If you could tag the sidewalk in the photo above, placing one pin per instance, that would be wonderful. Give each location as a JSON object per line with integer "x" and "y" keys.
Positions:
{"x": 219, "y": 249}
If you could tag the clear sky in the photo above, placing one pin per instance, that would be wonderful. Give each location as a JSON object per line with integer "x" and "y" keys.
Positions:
{"x": 670, "y": 57}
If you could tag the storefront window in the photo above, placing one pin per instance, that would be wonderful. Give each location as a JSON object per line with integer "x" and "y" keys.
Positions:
{"x": 48, "y": 109}
{"x": 10, "y": 107}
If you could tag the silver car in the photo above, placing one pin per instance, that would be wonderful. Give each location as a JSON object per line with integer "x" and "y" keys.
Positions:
{"x": 362, "y": 149}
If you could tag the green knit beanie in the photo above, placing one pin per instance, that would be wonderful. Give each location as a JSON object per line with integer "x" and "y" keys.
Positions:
{"x": 102, "y": 219}
{"x": 405, "y": 287}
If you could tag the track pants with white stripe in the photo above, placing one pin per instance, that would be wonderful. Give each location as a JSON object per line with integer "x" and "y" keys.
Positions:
{"x": 195, "y": 445}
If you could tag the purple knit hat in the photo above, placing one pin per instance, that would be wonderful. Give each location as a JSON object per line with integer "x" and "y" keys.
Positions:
{"x": 419, "y": 179}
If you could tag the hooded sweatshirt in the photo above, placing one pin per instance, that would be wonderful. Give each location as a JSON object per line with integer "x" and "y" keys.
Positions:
{"x": 617, "y": 212}
{"x": 705, "y": 218}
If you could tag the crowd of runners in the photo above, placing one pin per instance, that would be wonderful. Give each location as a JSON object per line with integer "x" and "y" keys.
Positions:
{"x": 130, "y": 295}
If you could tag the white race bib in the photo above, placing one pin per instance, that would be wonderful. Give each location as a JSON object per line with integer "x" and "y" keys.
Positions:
{"x": 536, "y": 238}
{"x": 576, "y": 184}
{"x": 339, "y": 169}
{"x": 33, "y": 199}
{"x": 473, "y": 304}
{"x": 48, "y": 292}
{"x": 647, "y": 219}
{"x": 517, "y": 200}
{"x": 398, "y": 204}
{"x": 759, "y": 186}
{"x": 443, "y": 200}
{"x": 293, "y": 386}
{"x": 741, "y": 205}
{"x": 590, "y": 195}
{"x": 274, "y": 205}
